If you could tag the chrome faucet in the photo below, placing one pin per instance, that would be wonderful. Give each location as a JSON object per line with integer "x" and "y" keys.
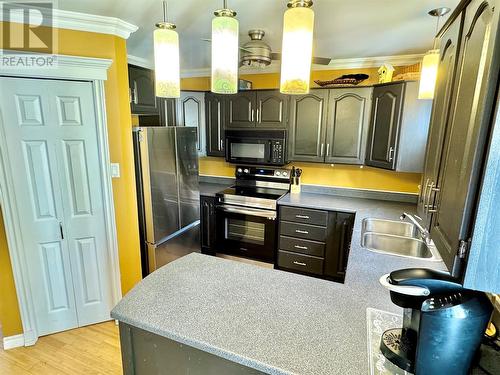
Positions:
{"x": 424, "y": 233}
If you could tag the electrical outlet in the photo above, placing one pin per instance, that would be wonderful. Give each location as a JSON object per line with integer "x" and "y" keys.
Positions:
{"x": 115, "y": 170}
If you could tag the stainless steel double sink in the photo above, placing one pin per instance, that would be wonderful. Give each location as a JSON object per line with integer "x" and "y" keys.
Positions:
{"x": 396, "y": 238}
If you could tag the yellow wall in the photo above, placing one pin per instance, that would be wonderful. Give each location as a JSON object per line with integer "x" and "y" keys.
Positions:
{"x": 349, "y": 176}
{"x": 121, "y": 151}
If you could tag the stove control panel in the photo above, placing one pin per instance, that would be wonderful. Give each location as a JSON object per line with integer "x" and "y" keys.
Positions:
{"x": 257, "y": 172}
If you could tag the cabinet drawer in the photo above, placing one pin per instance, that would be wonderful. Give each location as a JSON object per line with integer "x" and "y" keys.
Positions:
{"x": 299, "y": 262}
{"x": 302, "y": 246}
{"x": 303, "y": 215}
{"x": 309, "y": 232}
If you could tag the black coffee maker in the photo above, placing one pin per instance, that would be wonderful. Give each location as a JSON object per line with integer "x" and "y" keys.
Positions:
{"x": 443, "y": 323}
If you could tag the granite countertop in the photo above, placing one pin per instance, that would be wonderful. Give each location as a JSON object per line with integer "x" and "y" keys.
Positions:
{"x": 273, "y": 321}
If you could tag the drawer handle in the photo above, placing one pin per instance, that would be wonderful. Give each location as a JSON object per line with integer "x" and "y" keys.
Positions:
{"x": 302, "y": 216}
{"x": 301, "y": 231}
{"x": 299, "y": 263}
{"x": 300, "y": 247}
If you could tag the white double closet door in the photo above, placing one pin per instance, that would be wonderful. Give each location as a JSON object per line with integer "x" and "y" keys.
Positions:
{"x": 53, "y": 156}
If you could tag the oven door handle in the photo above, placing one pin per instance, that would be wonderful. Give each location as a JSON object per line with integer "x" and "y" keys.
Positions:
{"x": 249, "y": 211}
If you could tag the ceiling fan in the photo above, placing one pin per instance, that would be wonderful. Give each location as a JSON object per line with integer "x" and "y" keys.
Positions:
{"x": 257, "y": 53}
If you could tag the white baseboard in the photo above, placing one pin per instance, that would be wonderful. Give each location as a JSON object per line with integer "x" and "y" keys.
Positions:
{"x": 12, "y": 342}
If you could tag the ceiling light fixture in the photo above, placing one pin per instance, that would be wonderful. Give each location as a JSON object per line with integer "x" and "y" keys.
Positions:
{"x": 166, "y": 51}
{"x": 296, "y": 51}
{"x": 430, "y": 62}
{"x": 225, "y": 50}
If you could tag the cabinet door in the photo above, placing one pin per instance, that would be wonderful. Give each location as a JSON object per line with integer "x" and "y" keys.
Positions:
{"x": 207, "y": 228}
{"x": 272, "y": 109}
{"x": 142, "y": 90}
{"x": 449, "y": 47}
{"x": 191, "y": 112}
{"x": 348, "y": 121}
{"x": 338, "y": 244}
{"x": 214, "y": 115}
{"x": 465, "y": 138}
{"x": 384, "y": 127}
{"x": 168, "y": 111}
{"x": 308, "y": 126}
{"x": 241, "y": 110}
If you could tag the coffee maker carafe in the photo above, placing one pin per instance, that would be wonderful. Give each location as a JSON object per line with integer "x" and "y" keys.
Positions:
{"x": 443, "y": 323}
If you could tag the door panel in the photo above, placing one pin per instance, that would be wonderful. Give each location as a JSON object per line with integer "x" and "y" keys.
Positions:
{"x": 32, "y": 162}
{"x": 62, "y": 175}
{"x": 385, "y": 123}
{"x": 308, "y": 126}
{"x": 191, "y": 113}
{"x": 142, "y": 87}
{"x": 241, "y": 110}
{"x": 272, "y": 110}
{"x": 466, "y": 136}
{"x": 348, "y": 120}
{"x": 449, "y": 47}
{"x": 215, "y": 124}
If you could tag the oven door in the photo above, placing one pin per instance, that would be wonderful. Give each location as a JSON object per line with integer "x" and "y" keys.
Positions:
{"x": 248, "y": 150}
{"x": 247, "y": 232}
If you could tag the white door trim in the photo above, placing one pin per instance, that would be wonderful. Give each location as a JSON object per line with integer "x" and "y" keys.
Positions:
{"x": 68, "y": 68}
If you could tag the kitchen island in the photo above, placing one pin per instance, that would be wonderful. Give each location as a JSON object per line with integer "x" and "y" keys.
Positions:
{"x": 212, "y": 315}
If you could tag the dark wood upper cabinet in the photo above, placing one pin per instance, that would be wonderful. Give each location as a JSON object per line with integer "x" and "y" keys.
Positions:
{"x": 308, "y": 115}
{"x": 142, "y": 90}
{"x": 191, "y": 112}
{"x": 271, "y": 109}
{"x": 215, "y": 124}
{"x": 449, "y": 47}
{"x": 241, "y": 110}
{"x": 384, "y": 128}
{"x": 347, "y": 129}
{"x": 168, "y": 111}
{"x": 472, "y": 102}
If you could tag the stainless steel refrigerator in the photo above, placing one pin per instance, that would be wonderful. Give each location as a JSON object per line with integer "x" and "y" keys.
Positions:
{"x": 166, "y": 165}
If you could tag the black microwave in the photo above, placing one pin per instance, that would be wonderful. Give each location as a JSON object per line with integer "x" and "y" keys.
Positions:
{"x": 256, "y": 146}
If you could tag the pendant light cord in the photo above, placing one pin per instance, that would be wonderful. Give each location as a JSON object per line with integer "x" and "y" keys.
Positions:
{"x": 164, "y": 11}
{"x": 434, "y": 44}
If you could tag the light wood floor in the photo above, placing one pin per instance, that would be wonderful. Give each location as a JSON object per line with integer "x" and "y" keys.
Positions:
{"x": 88, "y": 350}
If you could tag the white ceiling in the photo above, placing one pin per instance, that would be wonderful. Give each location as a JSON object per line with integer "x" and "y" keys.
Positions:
{"x": 343, "y": 28}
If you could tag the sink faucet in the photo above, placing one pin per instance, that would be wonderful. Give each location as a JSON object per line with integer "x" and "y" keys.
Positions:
{"x": 424, "y": 233}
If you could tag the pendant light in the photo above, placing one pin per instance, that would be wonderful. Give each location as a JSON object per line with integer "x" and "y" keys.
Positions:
{"x": 166, "y": 51}
{"x": 225, "y": 49}
{"x": 430, "y": 62}
{"x": 296, "y": 51}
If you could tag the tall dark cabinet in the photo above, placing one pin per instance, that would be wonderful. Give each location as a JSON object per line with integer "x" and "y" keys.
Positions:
{"x": 142, "y": 90}
{"x": 215, "y": 123}
{"x": 466, "y": 133}
{"x": 449, "y": 49}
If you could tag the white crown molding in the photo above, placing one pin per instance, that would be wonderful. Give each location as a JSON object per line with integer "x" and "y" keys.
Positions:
{"x": 71, "y": 67}
{"x": 11, "y": 342}
{"x": 338, "y": 64}
{"x": 64, "y": 19}
{"x": 140, "y": 61}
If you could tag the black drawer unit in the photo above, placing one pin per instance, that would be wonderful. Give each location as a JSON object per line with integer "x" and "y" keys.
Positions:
{"x": 304, "y": 216}
{"x": 302, "y": 246}
{"x": 300, "y": 262}
{"x": 314, "y": 242}
{"x": 309, "y": 232}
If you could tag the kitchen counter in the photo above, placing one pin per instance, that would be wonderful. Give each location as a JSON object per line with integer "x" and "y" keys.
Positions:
{"x": 272, "y": 321}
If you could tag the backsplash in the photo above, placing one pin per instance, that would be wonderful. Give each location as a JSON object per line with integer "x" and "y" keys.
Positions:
{"x": 338, "y": 175}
